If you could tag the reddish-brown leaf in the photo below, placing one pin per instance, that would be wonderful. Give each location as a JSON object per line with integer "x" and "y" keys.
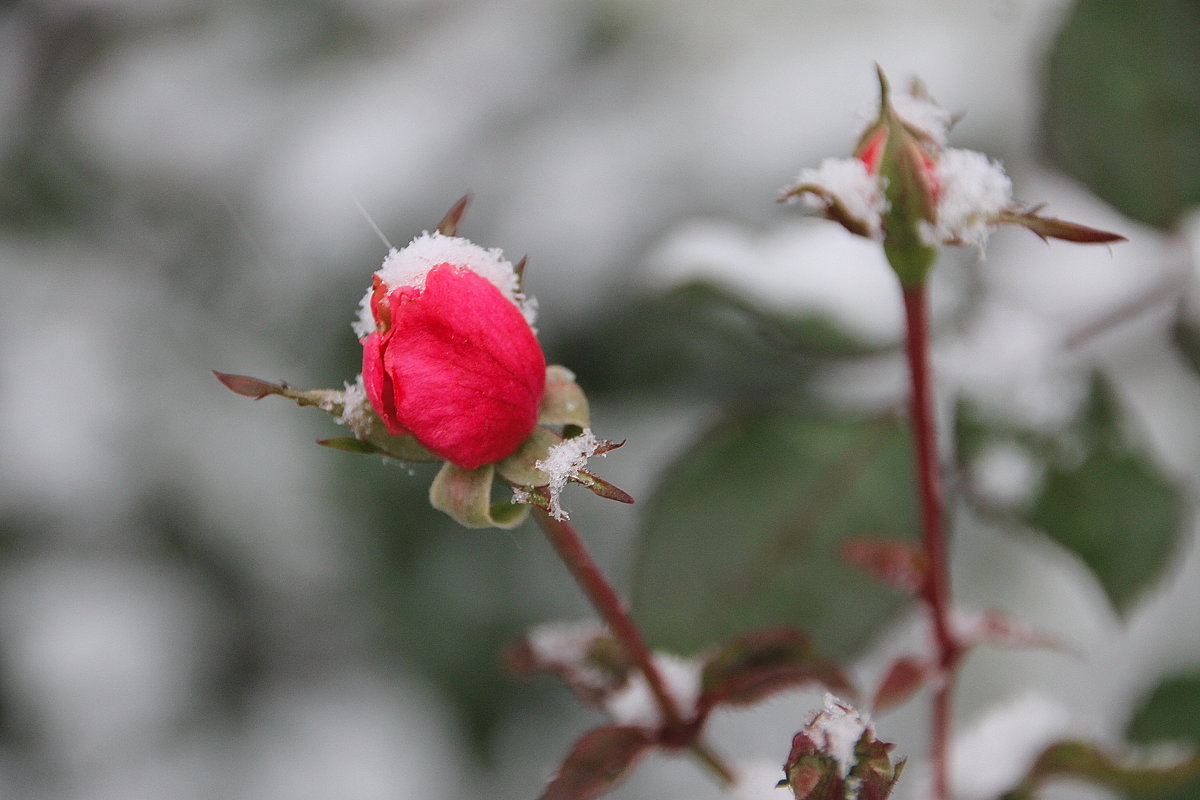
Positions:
{"x": 902, "y": 680}
{"x": 760, "y": 663}
{"x": 598, "y": 761}
{"x": 899, "y": 564}
{"x": 247, "y": 386}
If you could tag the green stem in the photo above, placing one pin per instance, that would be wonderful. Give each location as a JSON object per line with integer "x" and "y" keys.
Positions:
{"x": 936, "y": 591}
{"x": 604, "y": 599}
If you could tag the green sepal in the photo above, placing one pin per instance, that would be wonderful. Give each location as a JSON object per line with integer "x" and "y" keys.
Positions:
{"x": 518, "y": 468}
{"x": 368, "y": 428}
{"x": 348, "y": 444}
{"x": 466, "y": 495}
{"x": 563, "y": 402}
{"x": 910, "y": 195}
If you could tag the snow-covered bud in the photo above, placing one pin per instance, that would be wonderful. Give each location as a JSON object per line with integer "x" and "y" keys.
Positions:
{"x": 904, "y": 187}
{"x": 449, "y": 351}
{"x": 837, "y": 755}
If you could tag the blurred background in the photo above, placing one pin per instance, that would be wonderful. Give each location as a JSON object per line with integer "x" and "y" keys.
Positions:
{"x": 197, "y": 602}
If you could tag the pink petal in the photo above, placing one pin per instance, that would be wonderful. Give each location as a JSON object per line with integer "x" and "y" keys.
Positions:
{"x": 463, "y": 368}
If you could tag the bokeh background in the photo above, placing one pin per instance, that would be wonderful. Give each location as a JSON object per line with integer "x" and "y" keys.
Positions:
{"x": 197, "y": 602}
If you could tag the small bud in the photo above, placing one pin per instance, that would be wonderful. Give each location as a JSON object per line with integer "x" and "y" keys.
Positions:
{"x": 837, "y": 757}
{"x": 904, "y": 187}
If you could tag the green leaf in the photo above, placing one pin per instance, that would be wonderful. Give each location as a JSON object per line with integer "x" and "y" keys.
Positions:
{"x": 1185, "y": 333}
{"x": 744, "y": 532}
{"x": 1171, "y": 712}
{"x": 1122, "y": 106}
{"x": 1086, "y": 762}
{"x": 1112, "y": 507}
{"x": 349, "y": 444}
{"x": 702, "y": 340}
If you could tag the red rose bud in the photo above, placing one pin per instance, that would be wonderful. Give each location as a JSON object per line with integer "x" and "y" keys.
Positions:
{"x": 449, "y": 352}
{"x": 904, "y": 187}
{"x": 903, "y": 154}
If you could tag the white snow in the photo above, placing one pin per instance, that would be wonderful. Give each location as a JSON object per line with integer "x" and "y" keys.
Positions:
{"x": 991, "y": 755}
{"x": 565, "y": 645}
{"x": 847, "y": 181}
{"x": 355, "y": 407}
{"x": 759, "y": 780}
{"x": 563, "y": 462}
{"x": 837, "y": 730}
{"x": 974, "y": 189}
{"x": 634, "y": 703}
{"x": 409, "y": 266}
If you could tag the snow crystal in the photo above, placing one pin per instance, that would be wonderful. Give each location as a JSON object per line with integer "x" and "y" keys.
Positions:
{"x": 974, "y": 189}
{"x": 837, "y": 730}
{"x": 356, "y": 408}
{"x": 846, "y": 181}
{"x": 563, "y": 462}
{"x": 409, "y": 266}
{"x": 634, "y": 703}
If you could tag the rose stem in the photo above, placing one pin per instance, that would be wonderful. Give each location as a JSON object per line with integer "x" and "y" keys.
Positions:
{"x": 936, "y": 591}
{"x": 604, "y": 599}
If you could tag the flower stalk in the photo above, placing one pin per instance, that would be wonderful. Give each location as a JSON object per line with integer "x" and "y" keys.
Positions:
{"x": 676, "y": 729}
{"x": 936, "y": 589}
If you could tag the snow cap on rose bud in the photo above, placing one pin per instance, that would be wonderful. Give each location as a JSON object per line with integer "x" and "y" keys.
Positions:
{"x": 904, "y": 187}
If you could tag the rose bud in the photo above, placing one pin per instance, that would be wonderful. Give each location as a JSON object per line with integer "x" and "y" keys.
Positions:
{"x": 905, "y": 187}
{"x": 449, "y": 351}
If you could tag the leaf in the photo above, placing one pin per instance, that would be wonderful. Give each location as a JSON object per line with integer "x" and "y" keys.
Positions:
{"x": 745, "y": 530}
{"x": 1114, "y": 508}
{"x": 1185, "y": 333}
{"x": 1171, "y": 713}
{"x": 702, "y": 340}
{"x": 248, "y": 386}
{"x": 1086, "y": 762}
{"x": 755, "y": 666}
{"x": 1129, "y": 126}
{"x": 597, "y": 762}
{"x": 904, "y": 677}
{"x": 901, "y": 565}
{"x": 349, "y": 444}
{"x": 449, "y": 224}
{"x": 1054, "y": 228}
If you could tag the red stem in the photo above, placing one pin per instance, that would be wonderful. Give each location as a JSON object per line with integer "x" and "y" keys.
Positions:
{"x": 604, "y": 599}
{"x": 936, "y": 591}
